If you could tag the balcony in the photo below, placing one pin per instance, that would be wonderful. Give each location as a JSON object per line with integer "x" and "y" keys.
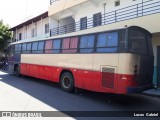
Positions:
{"x": 140, "y": 10}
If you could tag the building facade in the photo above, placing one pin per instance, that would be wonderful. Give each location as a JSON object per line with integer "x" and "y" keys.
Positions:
{"x": 35, "y": 28}
{"x": 74, "y": 17}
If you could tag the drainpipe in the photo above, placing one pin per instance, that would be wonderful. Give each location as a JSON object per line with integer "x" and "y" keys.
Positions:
{"x": 104, "y": 5}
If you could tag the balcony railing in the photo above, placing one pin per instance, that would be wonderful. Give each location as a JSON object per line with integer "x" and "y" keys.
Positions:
{"x": 53, "y": 1}
{"x": 138, "y": 10}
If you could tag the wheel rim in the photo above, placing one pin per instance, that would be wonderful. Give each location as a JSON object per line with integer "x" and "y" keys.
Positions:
{"x": 66, "y": 82}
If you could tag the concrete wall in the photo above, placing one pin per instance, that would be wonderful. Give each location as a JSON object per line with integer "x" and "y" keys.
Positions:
{"x": 156, "y": 42}
{"x": 61, "y": 5}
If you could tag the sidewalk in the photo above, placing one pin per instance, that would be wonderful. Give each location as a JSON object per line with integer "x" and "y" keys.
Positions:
{"x": 152, "y": 92}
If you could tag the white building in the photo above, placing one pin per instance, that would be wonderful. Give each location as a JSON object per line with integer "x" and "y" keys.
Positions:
{"x": 35, "y": 28}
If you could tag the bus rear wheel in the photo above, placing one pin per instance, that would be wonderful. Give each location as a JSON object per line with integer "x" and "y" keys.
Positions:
{"x": 67, "y": 82}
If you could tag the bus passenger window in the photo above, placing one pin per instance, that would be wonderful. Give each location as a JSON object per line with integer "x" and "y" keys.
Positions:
{"x": 24, "y": 47}
{"x": 28, "y": 48}
{"x": 73, "y": 45}
{"x": 18, "y": 48}
{"x": 87, "y": 44}
{"x": 65, "y": 45}
{"x": 107, "y": 42}
{"x": 34, "y": 47}
{"x": 70, "y": 45}
{"x": 40, "y": 47}
{"x": 48, "y": 46}
{"x": 56, "y": 46}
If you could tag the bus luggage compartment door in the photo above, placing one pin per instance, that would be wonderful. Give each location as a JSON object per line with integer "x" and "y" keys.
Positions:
{"x": 108, "y": 77}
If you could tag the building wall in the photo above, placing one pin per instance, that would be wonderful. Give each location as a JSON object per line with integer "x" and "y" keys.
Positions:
{"x": 26, "y": 30}
{"x": 61, "y": 5}
{"x": 156, "y": 42}
{"x": 110, "y": 6}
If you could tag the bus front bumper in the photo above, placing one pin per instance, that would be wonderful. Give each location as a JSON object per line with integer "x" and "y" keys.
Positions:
{"x": 139, "y": 89}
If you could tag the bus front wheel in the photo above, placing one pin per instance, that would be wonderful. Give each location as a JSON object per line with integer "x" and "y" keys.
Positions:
{"x": 67, "y": 82}
{"x": 17, "y": 71}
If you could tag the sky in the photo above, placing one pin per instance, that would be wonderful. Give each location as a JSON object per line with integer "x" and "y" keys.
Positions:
{"x": 14, "y": 12}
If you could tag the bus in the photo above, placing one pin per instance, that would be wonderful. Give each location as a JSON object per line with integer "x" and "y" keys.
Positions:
{"x": 116, "y": 61}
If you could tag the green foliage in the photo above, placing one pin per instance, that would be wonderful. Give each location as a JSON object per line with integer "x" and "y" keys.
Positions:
{"x": 4, "y": 35}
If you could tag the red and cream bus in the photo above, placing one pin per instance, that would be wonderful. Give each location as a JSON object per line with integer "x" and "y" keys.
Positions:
{"x": 116, "y": 61}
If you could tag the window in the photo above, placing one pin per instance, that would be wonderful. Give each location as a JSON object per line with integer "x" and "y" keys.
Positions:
{"x": 40, "y": 47}
{"x": 18, "y": 48}
{"x": 137, "y": 42}
{"x": 28, "y": 47}
{"x": 53, "y": 46}
{"x": 34, "y": 46}
{"x": 56, "y": 46}
{"x": 87, "y": 44}
{"x": 107, "y": 42}
{"x": 48, "y": 46}
{"x": 69, "y": 45}
{"x": 84, "y": 23}
{"x": 20, "y": 36}
{"x": 46, "y": 28}
{"x": 33, "y": 32}
{"x": 117, "y": 3}
{"x": 37, "y": 47}
{"x": 24, "y": 47}
{"x": 97, "y": 19}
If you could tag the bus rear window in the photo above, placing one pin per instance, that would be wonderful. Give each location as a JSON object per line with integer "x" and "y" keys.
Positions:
{"x": 137, "y": 42}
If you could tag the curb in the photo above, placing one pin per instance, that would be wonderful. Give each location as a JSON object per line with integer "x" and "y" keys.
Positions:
{"x": 152, "y": 95}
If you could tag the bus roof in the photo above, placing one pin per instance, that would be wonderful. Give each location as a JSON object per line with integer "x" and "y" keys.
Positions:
{"x": 76, "y": 34}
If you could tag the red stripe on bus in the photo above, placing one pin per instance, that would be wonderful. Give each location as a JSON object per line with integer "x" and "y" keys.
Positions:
{"x": 85, "y": 79}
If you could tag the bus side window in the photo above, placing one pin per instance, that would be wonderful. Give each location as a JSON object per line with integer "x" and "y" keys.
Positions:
{"x": 34, "y": 47}
{"x": 24, "y": 47}
{"x": 56, "y": 46}
{"x": 40, "y": 47}
{"x": 69, "y": 45}
{"x": 48, "y": 47}
{"x": 18, "y": 48}
{"x": 107, "y": 42}
{"x": 65, "y": 45}
{"x": 28, "y": 48}
{"x": 52, "y": 46}
{"x": 87, "y": 44}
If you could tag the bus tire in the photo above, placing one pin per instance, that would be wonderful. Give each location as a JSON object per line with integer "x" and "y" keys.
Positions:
{"x": 17, "y": 71}
{"x": 67, "y": 82}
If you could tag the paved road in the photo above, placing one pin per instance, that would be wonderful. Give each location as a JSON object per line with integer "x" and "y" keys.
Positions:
{"x": 30, "y": 94}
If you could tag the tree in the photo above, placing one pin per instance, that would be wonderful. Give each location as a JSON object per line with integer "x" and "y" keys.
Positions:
{"x": 4, "y": 35}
